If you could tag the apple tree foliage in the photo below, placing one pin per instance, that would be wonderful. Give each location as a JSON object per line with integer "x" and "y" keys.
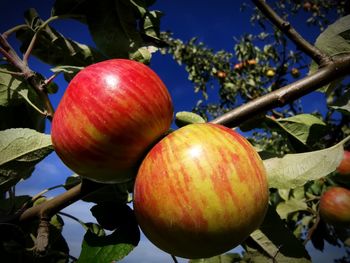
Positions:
{"x": 301, "y": 150}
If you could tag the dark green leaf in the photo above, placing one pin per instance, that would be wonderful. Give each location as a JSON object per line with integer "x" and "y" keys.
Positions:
{"x": 112, "y": 247}
{"x": 225, "y": 258}
{"x": 335, "y": 40}
{"x": 111, "y": 215}
{"x": 106, "y": 192}
{"x": 304, "y": 127}
{"x": 53, "y": 48}
{"x": 21, "y": 150}
{"x": 283, "y": 248}
{"x": 342, "y": 104}
{"x": 294, "y": 170}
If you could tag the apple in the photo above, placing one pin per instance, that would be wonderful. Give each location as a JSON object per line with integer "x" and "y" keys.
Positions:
{"x": 295, "y": 73}
{"x": 335, "y": 206}
{"x": 270, "y": 73}
{"x": 200, "y": 191}
{"x": 221, "y": 74}
{"x": 108, "y": 118}
{"x": 344, "y": 166}
{"x": 307, "y": 6}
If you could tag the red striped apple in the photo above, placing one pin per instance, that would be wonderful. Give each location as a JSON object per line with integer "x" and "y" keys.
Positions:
{"x": 344, "y": 166}
{"x": 335, "y": 206}
{"x": 200, "y": 191}
{"x": 109, "y": 116}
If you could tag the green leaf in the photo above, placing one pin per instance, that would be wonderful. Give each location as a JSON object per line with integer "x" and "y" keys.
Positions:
{"x": 225, "y": 258}
{"x": 111, "y": 215}
{"x": 342, "y": 104}
{"x": 113, "y": 26}
{"x": 290, "y": 206}
{"x": 120, "y": 29}
{"x": 21, "y": 150}
{"x": 19, "y": 103}
{"x": 113, "y": 247}
{"x": 335, "y": 40}
{"x": 294, "y": 170}
{"x": 183, "y": 118}
{"x": 10, "y": 85}
{"x": 52, "y": 47}
{"x": 68, "y": 71}
{"x": 282, "y": 248}
{"x": 304, "y": 127}
{"x": 106, "y": 192}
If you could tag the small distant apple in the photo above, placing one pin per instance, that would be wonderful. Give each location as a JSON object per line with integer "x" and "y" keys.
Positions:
{"x": 335, "y": 206}
{"x": 344, "y": 166}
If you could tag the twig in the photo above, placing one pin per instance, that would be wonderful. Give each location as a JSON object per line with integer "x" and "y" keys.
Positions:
{"x": 174, "y": 259}
{"x": 13, "y": 30}
{"x": 75, "y": 219}
{"x": 11, "y": 56}
{"x": 278, "y": 98}
{"x": 317, "y": 55}
{"x": 53, "y": 206}
{"x": 42, "y": 240}
{"x": 312, "y": 230}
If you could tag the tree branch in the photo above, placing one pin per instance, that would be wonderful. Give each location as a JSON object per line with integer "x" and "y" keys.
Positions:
{"x": 53, "y": 206}
{"x": 36, "y": 82}
{"x": 317, "y": 55}
{"x": 278, "y": 98}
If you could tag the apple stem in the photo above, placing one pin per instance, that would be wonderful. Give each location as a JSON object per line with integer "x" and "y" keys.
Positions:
{"x": 312, "y": 230}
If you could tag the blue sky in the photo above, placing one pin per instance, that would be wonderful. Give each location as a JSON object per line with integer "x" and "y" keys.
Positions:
{"x": 215, "y": 23}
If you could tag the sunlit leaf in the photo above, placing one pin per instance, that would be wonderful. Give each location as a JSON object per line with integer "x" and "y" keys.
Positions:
{"x": 183, "y": 118}
{"x": 290, "y": 206}
{"x": 294, "y": 170}
{"x": 21, "y": 150}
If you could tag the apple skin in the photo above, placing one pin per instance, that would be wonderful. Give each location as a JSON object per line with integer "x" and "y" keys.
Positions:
{"x": 335, "y": 206}
{"x": 109, "y": 116}
{"x": 344, "y": 166}
{"x": 200, "y": 191}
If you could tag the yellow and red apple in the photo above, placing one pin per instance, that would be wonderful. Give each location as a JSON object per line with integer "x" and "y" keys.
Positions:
{"x": 200, "y": 191}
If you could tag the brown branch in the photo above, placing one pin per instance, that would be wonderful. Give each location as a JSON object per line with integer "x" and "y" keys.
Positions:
{"x": 278, "y": 98}
{"x": 35, "y": 81}
{"x": 317, "y": 55}
{"x": 42, "y": 239}
{"x": 53, "y": 206}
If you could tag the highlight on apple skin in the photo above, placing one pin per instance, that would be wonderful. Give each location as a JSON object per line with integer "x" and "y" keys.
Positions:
{"x": 200, "y": 191}
{"x": 110, "y": 115}
{"x": 335, "y": 206}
